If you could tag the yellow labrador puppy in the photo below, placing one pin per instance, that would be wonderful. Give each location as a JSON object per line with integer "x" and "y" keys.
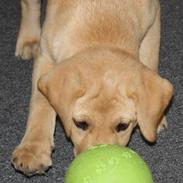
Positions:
{"x": 95, "y": 64}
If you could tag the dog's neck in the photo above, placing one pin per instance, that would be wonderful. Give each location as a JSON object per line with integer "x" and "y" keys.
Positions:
{"x": 126, "y": 45}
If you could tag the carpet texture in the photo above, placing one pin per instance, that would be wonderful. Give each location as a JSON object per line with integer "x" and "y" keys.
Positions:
{"x": 165, "y": 158}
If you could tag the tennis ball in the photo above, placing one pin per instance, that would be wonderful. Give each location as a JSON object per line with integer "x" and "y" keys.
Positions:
{"x": 108, "y": 164}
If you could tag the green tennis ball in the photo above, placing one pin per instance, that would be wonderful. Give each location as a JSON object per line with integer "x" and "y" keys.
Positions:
{"x": 108, "y": 164}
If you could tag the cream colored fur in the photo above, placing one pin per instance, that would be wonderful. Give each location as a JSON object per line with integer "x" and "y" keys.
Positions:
{"x": 96, "y": 65}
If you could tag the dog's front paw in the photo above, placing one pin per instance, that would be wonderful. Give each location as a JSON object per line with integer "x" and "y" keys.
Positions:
{"x": 31, "y": 159}
{"x": 26, "y": 48}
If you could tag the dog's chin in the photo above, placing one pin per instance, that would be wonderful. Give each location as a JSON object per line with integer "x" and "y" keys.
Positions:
{"x": 75, "y": 152}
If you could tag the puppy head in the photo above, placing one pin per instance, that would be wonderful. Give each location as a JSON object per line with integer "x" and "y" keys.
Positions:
{"x": 102, "y": 95}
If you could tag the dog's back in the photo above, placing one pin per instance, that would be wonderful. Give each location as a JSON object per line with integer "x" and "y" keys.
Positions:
{"x": 82, "y": 23}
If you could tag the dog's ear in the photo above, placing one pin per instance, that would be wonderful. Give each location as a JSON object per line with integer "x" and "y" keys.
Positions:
{"x": 151, "y": 95}
{"x": 61, "y": 86}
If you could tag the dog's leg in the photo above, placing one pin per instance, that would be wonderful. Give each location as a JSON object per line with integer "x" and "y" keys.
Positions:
{"x": 33, "y": 155}
{"x": 149, "y": 54}
{"x": 29, "y": 33}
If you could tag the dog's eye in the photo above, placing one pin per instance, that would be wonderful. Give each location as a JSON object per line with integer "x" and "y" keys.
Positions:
{"x": 121, "y": 127}
{"x": 81, "y": 125}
